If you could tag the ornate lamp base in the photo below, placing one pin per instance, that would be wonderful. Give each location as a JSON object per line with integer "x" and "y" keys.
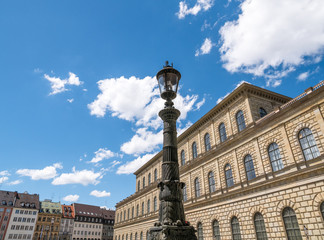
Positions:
{"x": 170, "y": 232}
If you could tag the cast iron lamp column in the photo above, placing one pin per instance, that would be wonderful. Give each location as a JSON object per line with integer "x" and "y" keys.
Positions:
{"x": 171, "y": 224}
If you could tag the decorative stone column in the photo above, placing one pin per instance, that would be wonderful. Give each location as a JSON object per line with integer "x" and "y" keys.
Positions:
{"x": 171, "y": 224}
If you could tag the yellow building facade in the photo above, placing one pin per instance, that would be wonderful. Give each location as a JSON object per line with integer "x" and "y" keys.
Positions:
{"x": 253, "y": 168}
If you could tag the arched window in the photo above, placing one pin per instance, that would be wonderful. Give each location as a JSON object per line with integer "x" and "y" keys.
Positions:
{"x": 262, "y": 112}
{"x": 184, "y": 192}
{"x": 131, "y": 236}
{"x": 207, "y": 142}
{"x": 124, "y": 215}
{"x": 143, "y": 182}
{"x": 147, "y": 235}
{"x": 138, "y": 185}
{"x": 148, "y": 206}
{"x": 197, "y": 188}
{"x": 137, "y": 210}
{"x": 126, "y": 236}
{"x": 236, "y": 233}
{"x": 260, "y": 229}
{"x": 291, "y": 224}
{"x": 149, "y": 178}
{"x": 117, "y": 217}
{"x": 222, "y": 132}
{"x": 121, "y": 216}
{"x": 228, "y": 175}
{"x": 142, "y": 208}
{"x": 183, "y": 158}
{"x": 135, "y": 236}
{"x": 128, "y": 214}
{"x": 155, "y": 204}
{"x": 141, "y": 236}
{"x": 118, "y": 237}
{"x": 155, "y": 175}
{"x": 275, "y": 157}
{"x": 308, "y": 144}
{"x": 200, "y": 231}
{"x": 249, "y": 167}
{"x": 194, "y": 150}
{"x": 240, "y": 120}
{"x": 211, "y": 182}
{"x": 216, "y": 232}
{"x": 132, "y": 212}
{"x": 322, "y": 209}
{"x": 123, "y": 237}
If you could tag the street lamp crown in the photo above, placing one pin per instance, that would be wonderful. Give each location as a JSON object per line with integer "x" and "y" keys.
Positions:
{"x": 168, "y": 81}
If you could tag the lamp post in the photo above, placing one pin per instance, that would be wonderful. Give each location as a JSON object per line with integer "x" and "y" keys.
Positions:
{"x": 171, "y": 224}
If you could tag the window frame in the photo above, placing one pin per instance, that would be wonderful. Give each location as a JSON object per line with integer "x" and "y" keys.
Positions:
{"x": 292, "y": 217}
{"x": 275, "y": 158}
{"x": 211, "y": 182}
{"x": 222, "y": 132}
{"x": 197, "y": 188}
{"x": 216, "y": 236}
{"x": 240, "y": 121}
{"x": 262, "y": 112}
{"x": 228, "y": 179}
{"x": 249, "y": 167}
{"x": 194, "y": 150}
{"x": 200, "y": 231}
{"x": 313, "y": 149}
{"x": 236, "y": 226}
{"x": 261, "y": 234}
{"x": 183, "y": 157}
{"x": 207, "y": 142}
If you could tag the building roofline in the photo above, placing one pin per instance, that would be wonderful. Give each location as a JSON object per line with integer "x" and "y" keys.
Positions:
{"x": 244, "y": 87}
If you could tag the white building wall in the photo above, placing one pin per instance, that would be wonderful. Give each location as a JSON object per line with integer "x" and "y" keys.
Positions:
{"x": 22, "y": 224}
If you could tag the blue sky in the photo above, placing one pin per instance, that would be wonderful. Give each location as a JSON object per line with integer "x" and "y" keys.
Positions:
{"x": 78, "y": 95}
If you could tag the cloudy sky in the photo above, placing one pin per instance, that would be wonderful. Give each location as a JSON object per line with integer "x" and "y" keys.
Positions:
{"x": 78, "y": 94}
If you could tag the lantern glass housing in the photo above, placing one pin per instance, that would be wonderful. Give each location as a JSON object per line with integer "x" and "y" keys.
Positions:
{"x": 168, "y": 80}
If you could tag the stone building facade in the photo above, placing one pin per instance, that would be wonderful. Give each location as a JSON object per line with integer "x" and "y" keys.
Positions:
{"x": 253, "y": 168}
{"x": 48, "y": 221}
{"x": 108, "y": 218}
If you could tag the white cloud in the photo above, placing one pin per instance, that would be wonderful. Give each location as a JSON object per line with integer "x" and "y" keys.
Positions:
{"x": 70, "y": 100}
{"x": 84, "y": 177}
{"x": 97, "y": 193}
{"x": 199, "y": 104}
{"x": 38, "y": 174}
{"x": 205, "y": 47}
{"x": 201, "y": 5}
{"x": 71, "y": 198}
{"x": 3, "y": 179}
{"x": 58, "y": 85}
{"x": 143, "y": 141}
{"x": 303, "y": 76}
{"x": 271, "y": 38}
{"x": 102, "y": 154}
{"x": 131, "y": 167}
{"x": 135, "y": 99}
{"x": 16, "y": 182}
{"x": 4, "y": 173}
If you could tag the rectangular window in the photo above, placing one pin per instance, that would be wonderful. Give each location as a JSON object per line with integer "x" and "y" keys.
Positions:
{"x": 33, "y": 220}
{"x": 15, "y": 219}
{"x": 12, "y": 227}
{"x": 21, "y": 211}
{"x": 10, "y": 236}
{"x": 31, "y": 227}
{"x": 17, "y": 227}
{"x": 8, "y": 210}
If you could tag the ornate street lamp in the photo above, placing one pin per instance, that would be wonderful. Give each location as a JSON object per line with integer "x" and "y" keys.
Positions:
{"x": 171, "y": 224}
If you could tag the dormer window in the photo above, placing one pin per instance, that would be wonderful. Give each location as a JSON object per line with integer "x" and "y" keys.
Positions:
{"x": 4, "y": 202}
{"x": 22, "y": 204}
{"x": 27, "y": 204}
{"x": 32, "y": 205}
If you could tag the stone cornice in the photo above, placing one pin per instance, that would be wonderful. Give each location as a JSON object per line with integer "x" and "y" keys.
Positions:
{"x": 223, "y": 105}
